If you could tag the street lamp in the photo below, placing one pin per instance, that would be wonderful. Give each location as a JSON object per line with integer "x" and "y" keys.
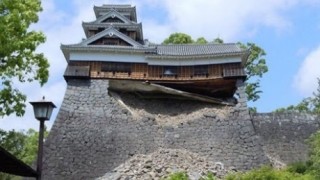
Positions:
{"x": 42, "y": 112}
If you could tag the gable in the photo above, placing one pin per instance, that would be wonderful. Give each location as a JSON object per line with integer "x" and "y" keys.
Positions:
{"x": 111, "y": 36}
{"x": 112, "y": 41}
{"x": 113, "y": 17}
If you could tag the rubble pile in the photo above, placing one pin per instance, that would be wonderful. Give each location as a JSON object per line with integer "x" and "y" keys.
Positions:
{"x": 171, "y": 112}
{"x": 163, "y": 162}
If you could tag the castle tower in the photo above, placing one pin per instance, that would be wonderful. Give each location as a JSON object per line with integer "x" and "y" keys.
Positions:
{"x": 126, "y": 97}
{"x": 115, "y": 50}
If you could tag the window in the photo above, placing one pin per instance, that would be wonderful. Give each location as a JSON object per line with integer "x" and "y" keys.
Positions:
{"x": 116, "y": 67}
{"x": 170, "y": 71}
{"x": 200, "y": 70}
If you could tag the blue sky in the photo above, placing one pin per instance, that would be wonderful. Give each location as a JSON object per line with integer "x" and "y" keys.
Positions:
{"x": 288, "y": 30}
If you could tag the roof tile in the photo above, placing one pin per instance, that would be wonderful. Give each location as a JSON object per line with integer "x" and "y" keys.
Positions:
{"x": 196, "y": 49}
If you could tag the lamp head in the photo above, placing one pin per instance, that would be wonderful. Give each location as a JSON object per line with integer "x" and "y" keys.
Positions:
{"x": 42, "y": 109}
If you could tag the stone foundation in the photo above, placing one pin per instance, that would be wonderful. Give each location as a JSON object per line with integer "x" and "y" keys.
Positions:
{"x": 97, "y": 130}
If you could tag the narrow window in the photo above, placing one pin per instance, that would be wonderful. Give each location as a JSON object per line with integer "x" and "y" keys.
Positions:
{"x": 200, "y": 70}
{"x": 116, "y": 67}
{"x": 170, "y": 71}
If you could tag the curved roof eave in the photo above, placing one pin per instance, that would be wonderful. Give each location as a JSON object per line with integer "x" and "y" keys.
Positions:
{"x": 157, "y": 56}
{"x": 67, "y": 49}
{"x": 113, "y": 31}
{"x": 136, "y": 26}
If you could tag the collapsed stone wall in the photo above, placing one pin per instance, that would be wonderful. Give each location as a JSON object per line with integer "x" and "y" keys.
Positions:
{"x": 97, "y": 130}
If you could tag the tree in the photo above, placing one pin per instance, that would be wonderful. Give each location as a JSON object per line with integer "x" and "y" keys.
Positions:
{"x": 307, "y": 105}
{"x": 23, "y": 145}
{"x": 217, "y": 41}
{"x": 13, "y": 142}
{"x": 316, "y": 99}
{"x": 18, "y": 60}
{"x": 178, "y": 38}
{"x": 201, "y": 40}
{"x": 255, "y": 66}
{"x": 314, "y": 161}
{"x": 31, "y": 145}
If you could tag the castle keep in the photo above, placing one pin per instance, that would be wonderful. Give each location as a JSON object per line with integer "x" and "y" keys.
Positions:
{"x": 116, "y": 51}
{"x": 127, "y": 97}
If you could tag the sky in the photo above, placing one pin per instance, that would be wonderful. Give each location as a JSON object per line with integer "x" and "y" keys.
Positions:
{"x": 288, "y": 30}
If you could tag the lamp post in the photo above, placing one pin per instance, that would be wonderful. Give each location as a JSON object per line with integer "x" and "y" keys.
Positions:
{"x": 42, "y": 112}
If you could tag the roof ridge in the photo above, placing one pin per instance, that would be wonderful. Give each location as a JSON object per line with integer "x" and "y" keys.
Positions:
{"x": 192, "y": 44}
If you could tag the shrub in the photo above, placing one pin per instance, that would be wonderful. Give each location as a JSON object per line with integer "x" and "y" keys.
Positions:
{"x": 268, "y": 173}
{"x": 178, "y": 176}
{"x": 298, "y": 167}
{"x": 314, "y": 142}
{"x": 209, "y": 176}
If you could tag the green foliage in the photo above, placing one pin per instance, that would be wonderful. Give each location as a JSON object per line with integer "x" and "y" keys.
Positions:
{"x": 178, "y": 38}
{"x": 256, "y": 67}
{"x": 252, "y": 90}
{"x": 309, "y": 170}
{"x": 13, "y": 142}
{"x": 314, "y": 142}
{"x": 31, "y": 146}
{"x": 304, "y": 106}
{"x": 209, "y": 176}
{"x": 298, "y": 167}
{"x": 218, "y": 41}
{"x": 178, "y": 176}
{"x": 18, "y": 60}
{"x": 268, "y": 173}
{"x": 201, "y": 40}
{"x": 316, "y": 99}
{"x": 307, "y": 105}
{"x": 253, "y": 110}
{"x": 23, "y": 145}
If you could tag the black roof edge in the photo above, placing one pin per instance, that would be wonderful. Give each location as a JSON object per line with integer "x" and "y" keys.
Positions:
{"x": 12, "y": 165}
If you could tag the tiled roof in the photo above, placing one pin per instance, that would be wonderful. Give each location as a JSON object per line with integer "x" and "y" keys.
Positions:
{"x": 116, "y": 5}
{"x": 10, "y": 164}
{"x": 193, "y": 50}
{"x": 120, "y": 8}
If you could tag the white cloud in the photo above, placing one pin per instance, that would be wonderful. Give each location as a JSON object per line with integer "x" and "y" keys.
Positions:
{"x": 306, "y": 79}
{"x": 227, "y": 18}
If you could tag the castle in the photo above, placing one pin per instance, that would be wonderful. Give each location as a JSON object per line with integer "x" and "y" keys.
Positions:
{"x": 115, "y": 50}
{"x": 126, "y": 96}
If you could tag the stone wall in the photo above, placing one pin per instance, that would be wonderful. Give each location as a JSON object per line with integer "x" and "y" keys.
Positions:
{"x": 284, "y": 135}
{"x": 97, "y": 130}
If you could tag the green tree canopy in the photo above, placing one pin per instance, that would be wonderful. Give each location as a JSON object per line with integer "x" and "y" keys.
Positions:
{"x": 255, "y": 67}
{"x": 22, "y": 144}
{"x": 178, "y": 38}
{"x": 18, "y": 60}
{"x": 201, "y": 40}
{"x": 307, "y": 105}
{"x": 217, "y": 41}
